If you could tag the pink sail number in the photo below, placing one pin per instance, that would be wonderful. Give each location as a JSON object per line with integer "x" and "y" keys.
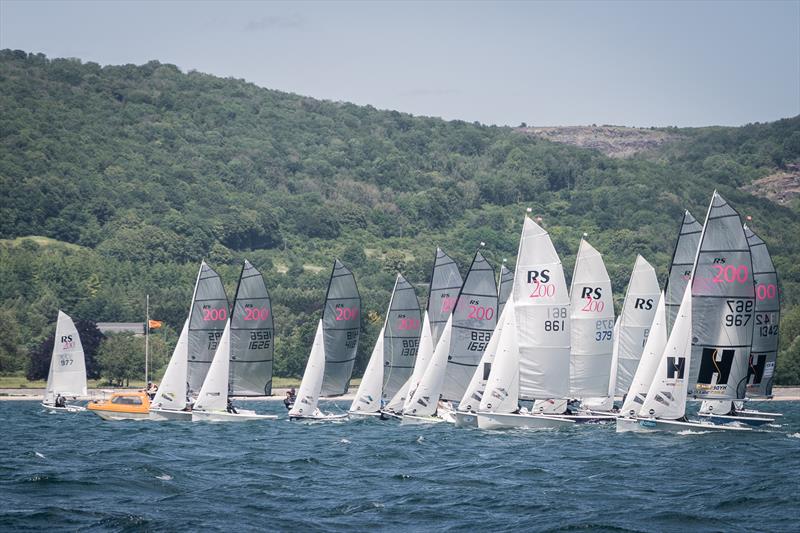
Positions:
{"x": 215, "y": 314}
{"x": 346, "y": 313}
{"x": 480, "y": 313}
{"x": 448, "y": 304}
{"x": 408, "y": 324}
{"x": 253, "y": 313}
{"x": 540, "y": 290}
{"x": 766, "y": 292}
{"x": 730, "y": 274}
{"x": 592, "y": 305}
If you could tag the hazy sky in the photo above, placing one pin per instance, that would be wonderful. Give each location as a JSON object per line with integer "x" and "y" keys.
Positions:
{"x": 545, "y": 63}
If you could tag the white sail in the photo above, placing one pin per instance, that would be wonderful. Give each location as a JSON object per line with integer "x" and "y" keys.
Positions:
{"x": 541, "y": 306}
{"x": 425, "y": 399}
{"x": 477, "y": 385}
{"x": 502, "y": 385}
{"x": 397, "y": 401}
{"x": 308, "y": 395}
{"x": 368, "y": 395}
{"x": 213, "y": 394}
{"x": 424, "y": 357}
{"x": 67, "y": 374}
{"x": 666, "y": 397}
{"x": 638, "y": 311}
{"x": 592, "y": 325}
{"x": 171, "y": 392}
{"x": 648, "y": 364}
{"x": 606, "y": 403}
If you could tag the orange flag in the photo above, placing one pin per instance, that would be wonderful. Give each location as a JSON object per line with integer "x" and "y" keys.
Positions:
{"x": 155, "y": 324}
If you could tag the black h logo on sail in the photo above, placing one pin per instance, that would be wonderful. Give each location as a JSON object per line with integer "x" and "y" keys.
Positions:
{"x": 675, "y": 365}
{"x": 756, "y": 368}
{"x": 715, "y": 362}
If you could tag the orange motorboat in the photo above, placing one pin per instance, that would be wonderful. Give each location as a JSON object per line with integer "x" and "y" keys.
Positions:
{"x": 122, "y": 406}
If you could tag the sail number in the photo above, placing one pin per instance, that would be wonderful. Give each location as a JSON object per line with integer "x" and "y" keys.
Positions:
{"x": 556, "y": 319}
{"x": 593, "y": 306}
{"x": 254, "y": 313}
{"x": 740, "y": 312}
{"x": 766, "y": 292}
{"x": 767, "y": 326}
{"x": 730, "y": 274}
{"x": 542, "y": 290}
{"x": 66, "y": 362}
{"x": 409, "y": 347}
{"x": 408, "y": 324}
{"x": 479, "y": 340}
{"x": 260, "y": 340}
{"x": 479, "y": 312}
{"x": 210, "y": 313}
{"x": 605, "y": 330}
{"x": 213, "y": 339}
{"x": 346, "y": 313}
{"x": 448, "y": 303}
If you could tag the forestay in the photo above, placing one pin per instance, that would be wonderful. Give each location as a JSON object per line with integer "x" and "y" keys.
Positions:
{"x": 541, "y": 305}
{"x": 67, "y": 373}
{"x": 445, "y": 283}
{"x": 723, "y": 306}
{"x": 666, "y": 397}
{"x": 252, "y": 336}
{"x": 213, "y": 394}
{"x": 592, "y": 323}
{"x": 761, "y": 367}
{"x": 473, "y": 321}
{"x": 341, "y": 324}
{"x": 208, "y": 316}
{"x": 401, "y": 332}
{"x": 680, "y": 269}
{"x": 504, "y": 288}
{"x": 171, "y": 393}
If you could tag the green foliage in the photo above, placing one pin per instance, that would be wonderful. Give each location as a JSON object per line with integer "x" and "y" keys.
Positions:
{"x": 121, "y": 356}
{"x": 129, "y": 175}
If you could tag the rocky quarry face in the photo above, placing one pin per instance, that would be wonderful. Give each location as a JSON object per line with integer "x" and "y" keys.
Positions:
{"x": 781, "y": 187}
{"x": 613, "y": 141}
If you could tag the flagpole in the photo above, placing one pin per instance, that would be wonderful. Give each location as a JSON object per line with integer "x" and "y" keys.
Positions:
{"x": 146, "y": 338}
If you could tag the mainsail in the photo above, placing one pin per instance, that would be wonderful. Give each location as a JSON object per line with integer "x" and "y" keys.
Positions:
{"x": 443, "y": 294}
{"x": 252, "y": 336}
{"x": 401, "y": 332}
{"x": 680, "y": 269}
{"x": 474, "y": 319}
{"x": 592, "y": 323}
{"x": 341, "y": 324}
{"x": 761, "y": 367}
{"x": 208, "y": 316}
{"x": 67, "y": 374}
{"x": 504, "y": 288}
{"x": 723, "y": 306}
{"x": 424, "y": 357}
{"x": 171, "y": 393}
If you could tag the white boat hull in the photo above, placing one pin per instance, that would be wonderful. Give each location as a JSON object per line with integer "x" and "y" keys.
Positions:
{"x": 466, "y": 419}
{"x": 646, "y": 425}
{"x": 527, "y": 421}
{"x": 116, "y": 415}
{"x": 318, "y": 418}
{"x": 65, "y": 409}
{"x": 736, "y": 419}
{"x": 363, "y": 415}
{"x": 170, "y": 414}
{"x": 753, "y": 412}
{"x": 587, "y": 418}
{"x": 412, "y": 420}
{"x": 224, "y": 416}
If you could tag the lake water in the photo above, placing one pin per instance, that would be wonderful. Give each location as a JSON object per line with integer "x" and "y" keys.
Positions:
{"x": 75, "y": 471}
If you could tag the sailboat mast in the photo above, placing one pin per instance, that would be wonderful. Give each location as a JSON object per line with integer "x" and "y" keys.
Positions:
{"x": 146, "y": 337}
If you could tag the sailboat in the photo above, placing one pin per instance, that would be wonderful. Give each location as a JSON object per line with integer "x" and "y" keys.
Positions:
{"x": 395, "y": 352}
{"x": 197, "y": 344}
{"x": 763, "y": 354}
{"x": 532, "y": 359}
{"x": 242, "y": 364}
{"x": 458, "y": 352}
{"x": 443, "y": 290}
{"x": 333, "y": 354}
{"x": 67, "y": 374}
{"x": 680, "y": 268}
{"x": 630, "y": 332}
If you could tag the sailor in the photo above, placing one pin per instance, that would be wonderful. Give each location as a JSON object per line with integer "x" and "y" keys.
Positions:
{"x": 60, "y": 401}
{"x": 230, "y": 408}
{"x": 290, "y": 398}
{"x": 151, "y": 389}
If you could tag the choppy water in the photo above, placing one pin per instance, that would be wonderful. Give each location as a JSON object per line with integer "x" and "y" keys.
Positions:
{"x": 69, "y": 472}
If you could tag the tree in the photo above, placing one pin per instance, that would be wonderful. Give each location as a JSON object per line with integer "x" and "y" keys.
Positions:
{"x": 121, "y": 356}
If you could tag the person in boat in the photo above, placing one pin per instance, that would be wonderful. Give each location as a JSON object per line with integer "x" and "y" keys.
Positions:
{"x": 151, "y": 389}
{"x": 230, "y": 408}
{"x": 288, "y": 401}
{"x": 60, "y": 401}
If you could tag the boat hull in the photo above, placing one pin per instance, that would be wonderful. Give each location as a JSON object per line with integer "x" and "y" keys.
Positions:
{"x": 466, "y": 420}
{"x": 362, "y": 415}
{"x": 587, "y": 418}
{"x": 753, "y": 421}
{"x": 65, "y": 409}
{"x": 224, "y": 416}
{"x": 647, "y": 425}
{"x": 170, "y": 414}
{"x": 512, "y": 421}
{"x": 318, "y": 418}
{"x": 753, "y": 412}
{"x": 120, "y": 415}
{"x": 413, "y": 420}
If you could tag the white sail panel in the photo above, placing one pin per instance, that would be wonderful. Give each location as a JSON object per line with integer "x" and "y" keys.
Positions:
{"x": 67, "y": 374}
{"x": 638, "y": 311}
{"x": 400, "y": 337}
{"x": 680, "y": 269}
{"x": 592, "y": 325}
{"x": 504, "y": 287}
{"x": 764, "y": 353}
{"x": 474, "y": 319}
{"x": 424, "y": 356}
{"x": 213, "y": 394}
{"x": 502, "y": 385}
{"x": 341, "y": 324}
{"x": 541, "y": 303}
{"x": 445, "y": 283}
{"x": 308, "y": 394}
{"x": 666, "y": 397}
{"x": 425, "y": 399}
{"x": 208, "y": 316}
{"x": 252, "y": 336}
{"x": 171, "y": 393}
{"x": 477, "y": 385}
{"x": 397, "y": 401}
{"x": 723, "y": 306}
{"x": 648, "y": 364}
{"x": 368, "y": 395}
